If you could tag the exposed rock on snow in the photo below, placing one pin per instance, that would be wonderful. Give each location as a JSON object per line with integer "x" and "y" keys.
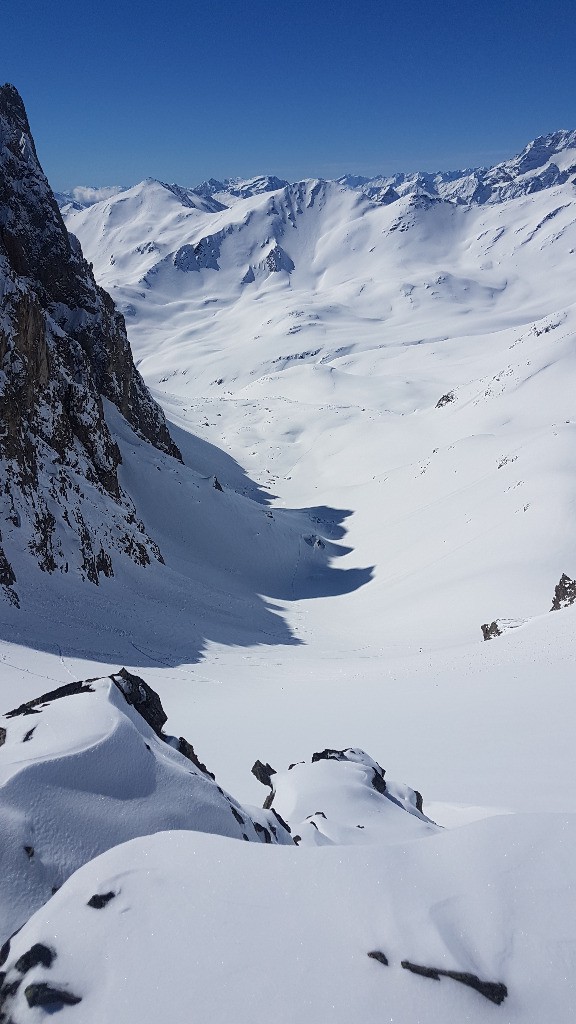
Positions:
{"x": 263, "y": 772}
{"x": 491, "y": 630}
{"x": 342, "y": 797}
{"x": 139, "y": 695}
{"x": 97, "y": 771}
{"x": 63, "y": 349}
{"x": 564, "y": 594}
{"x": 495, "y": 991}
{"x": 377, "y": 954}
{"x": 37, "y": 955}
{"x": 45, "y": 995}
{"x": 100, "y": 900}
{"x": 445, "y": 400}
{"x": 186, "y": 748}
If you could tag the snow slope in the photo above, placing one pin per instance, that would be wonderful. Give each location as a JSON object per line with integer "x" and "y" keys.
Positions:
{"x": 255, "y": 933}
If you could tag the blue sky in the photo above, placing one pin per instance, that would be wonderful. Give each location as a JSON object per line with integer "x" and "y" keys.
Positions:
{"x": 117, "y": 90}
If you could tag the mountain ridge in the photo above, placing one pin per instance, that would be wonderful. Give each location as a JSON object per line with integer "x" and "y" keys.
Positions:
{"x": 491, "y": 183}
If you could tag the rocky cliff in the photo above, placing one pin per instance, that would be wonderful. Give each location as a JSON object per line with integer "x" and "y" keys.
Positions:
{"x": 63, "y": 352}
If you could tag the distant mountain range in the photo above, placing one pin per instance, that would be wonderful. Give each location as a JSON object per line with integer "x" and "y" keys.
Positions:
{"x": 547, "y": 161}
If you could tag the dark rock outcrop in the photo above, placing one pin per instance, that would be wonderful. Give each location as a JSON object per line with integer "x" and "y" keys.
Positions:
{"x": 139, "y": 695}
{"x": 495, "y": 991}
{"x": 445, "y": 400}
{"x": 32, "y": 707}
{"x": 42, "y": 994}
{"x": 63, "y": 352}
{"x": 186, "y": 748}
{"x": 38, "y": 955}
{"x": 564, "y": 594}
{"x": 377, "y": 954}
{"x": 378, "y": 781}
{"x": 490, "y": 630}
{"x": 100, "y": 900}
{"x": 329, "y": 754}
{"x": 263, "y": 772}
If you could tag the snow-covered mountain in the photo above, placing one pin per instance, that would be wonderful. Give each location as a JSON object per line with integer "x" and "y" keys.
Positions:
{"x": 388, "y": 363}
{"x": 409, "y": 349}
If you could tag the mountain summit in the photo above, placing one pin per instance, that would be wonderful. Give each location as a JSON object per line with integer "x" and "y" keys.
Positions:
{"x": 63, "y": 353}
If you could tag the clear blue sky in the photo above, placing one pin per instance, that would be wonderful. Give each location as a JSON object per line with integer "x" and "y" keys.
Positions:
{"x": 117, "y": 90}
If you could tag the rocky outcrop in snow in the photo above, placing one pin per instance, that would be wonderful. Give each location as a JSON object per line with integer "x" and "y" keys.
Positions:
{"x": 564, "y": 594}
{"x": 88, "y": 766}
{"x": 63, "y": 352}
{"x": 342, "y": 797}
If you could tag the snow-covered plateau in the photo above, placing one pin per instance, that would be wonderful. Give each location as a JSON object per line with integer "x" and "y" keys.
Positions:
{"x": 354, "y": 562}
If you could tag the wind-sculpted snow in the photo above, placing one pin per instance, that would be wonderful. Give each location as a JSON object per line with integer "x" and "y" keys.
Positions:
{"x": 180, "y": 923}
{"x": 88, "y": 766}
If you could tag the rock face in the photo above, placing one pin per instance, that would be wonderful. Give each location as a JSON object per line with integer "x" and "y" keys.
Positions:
{"x": 63, "y": 351}
{"x": 564, "y": 594}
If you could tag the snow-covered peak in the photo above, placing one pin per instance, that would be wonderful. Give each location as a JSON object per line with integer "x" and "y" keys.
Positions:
{"x": 244, "y": 188}
{"x": 559, "y": 147}
{"x": 231, "y": 190}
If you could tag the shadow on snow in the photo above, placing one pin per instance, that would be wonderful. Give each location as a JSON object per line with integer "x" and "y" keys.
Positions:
{"x": 229, "y": 555}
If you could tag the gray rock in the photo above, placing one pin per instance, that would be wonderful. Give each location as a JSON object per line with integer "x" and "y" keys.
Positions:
{"x": 490, "y": 630}
{"x": 564, "y": 594}
{"x": 42, "y": 994}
